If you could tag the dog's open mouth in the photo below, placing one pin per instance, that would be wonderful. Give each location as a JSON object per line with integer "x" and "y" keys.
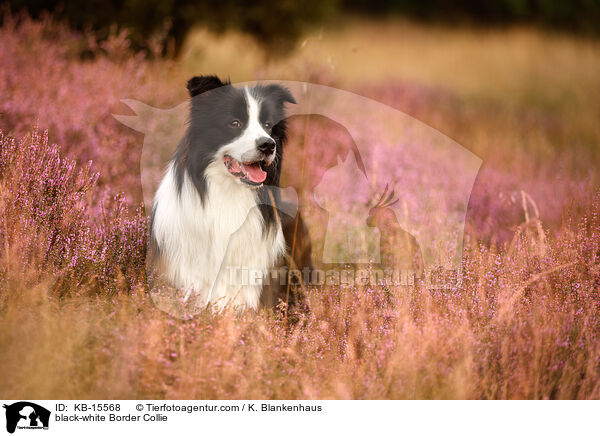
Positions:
{"x": 251, "y": 173}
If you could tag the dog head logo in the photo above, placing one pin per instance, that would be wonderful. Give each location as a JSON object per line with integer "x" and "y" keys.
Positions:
{"x": 26, "y": 415}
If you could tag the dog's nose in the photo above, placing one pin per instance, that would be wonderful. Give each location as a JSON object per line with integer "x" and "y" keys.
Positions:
{"x": 266, "y": 145}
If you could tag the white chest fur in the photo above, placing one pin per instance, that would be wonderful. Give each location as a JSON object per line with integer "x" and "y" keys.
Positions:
{"x": 211, "y": 248}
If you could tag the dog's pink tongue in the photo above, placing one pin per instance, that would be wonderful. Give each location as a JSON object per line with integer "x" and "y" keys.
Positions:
{"x": 255, "y": 173}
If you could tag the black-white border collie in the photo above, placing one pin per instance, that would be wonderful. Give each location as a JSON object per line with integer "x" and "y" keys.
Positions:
{"x": 214, "y": 210}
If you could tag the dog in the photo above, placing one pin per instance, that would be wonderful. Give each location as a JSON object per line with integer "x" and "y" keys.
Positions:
{"x": 214, "y": 214}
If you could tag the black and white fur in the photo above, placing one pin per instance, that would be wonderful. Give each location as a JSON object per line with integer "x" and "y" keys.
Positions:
{"x": 208, "y": 218}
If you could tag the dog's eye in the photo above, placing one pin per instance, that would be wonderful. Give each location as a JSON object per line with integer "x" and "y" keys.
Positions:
{"x": 267, "y": 125}
{"x": 235, "y": 123}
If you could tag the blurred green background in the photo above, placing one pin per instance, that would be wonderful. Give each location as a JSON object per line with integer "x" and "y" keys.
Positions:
{"x": 279, "y": 25}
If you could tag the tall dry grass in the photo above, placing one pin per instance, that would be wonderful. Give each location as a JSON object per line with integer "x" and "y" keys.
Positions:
{"x": 521, "y": 326}
{"x": 75, "y": 319}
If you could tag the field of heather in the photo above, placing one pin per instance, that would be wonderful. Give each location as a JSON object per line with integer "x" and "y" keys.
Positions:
{"x": 76, "y": 320}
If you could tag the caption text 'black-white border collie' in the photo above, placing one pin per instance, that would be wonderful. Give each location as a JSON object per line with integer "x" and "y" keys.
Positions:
{"x": 215, "y": 208}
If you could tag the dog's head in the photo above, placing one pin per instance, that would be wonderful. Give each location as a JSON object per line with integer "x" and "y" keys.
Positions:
{"x": 240, "y": 129}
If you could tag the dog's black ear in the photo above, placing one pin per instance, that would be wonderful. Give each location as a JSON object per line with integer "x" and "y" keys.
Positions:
{"x": 280, "y": 93}
{"x": 199, "y": 84}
